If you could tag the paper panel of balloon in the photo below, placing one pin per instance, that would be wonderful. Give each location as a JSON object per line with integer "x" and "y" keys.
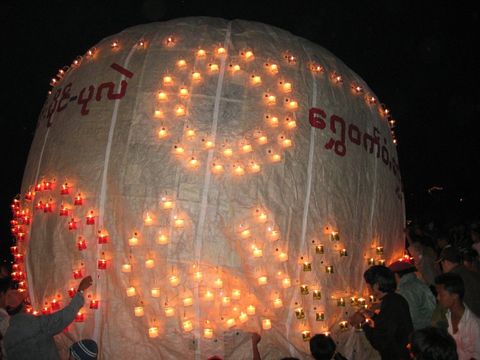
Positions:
{"x": 214, "y": 177}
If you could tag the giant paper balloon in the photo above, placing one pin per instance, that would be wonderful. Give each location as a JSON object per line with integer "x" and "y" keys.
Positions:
{"x": 215, "y": 178}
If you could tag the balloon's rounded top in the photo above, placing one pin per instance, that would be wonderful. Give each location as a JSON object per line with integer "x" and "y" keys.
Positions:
{"x": 215, "y": 178}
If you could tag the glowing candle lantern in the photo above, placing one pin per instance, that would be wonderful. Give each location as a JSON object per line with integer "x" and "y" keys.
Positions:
{"x": 167, "y": 204}
{"x": 163, "y": 132}
{"x": 149, "y": 263}
{"x": 234, "y": 68}
{"x": 71, "y": 292}
{"x": 270, "y": 99}
{"x": 65, "y": 190}
{"x": 162, "y": 238}
{"x": 208, "y": 296}
{"x": 181, "y": 63}
{"x": 170, "y": 41}
{"x": 253, "y": 167}
{"x": 343, "y": 252}
{"x": 81, "y": 243}
{"x": 90, "y": 218}
{"x": 307, "y": 266}
{"x": 329, "y": 269}
{"x": 243, "y": 317}
{"x": 218, "y": 283}
{"x": 245, "y": 233}
{"x": 196, "y": 76}
{"x": 169, "y": 311}
{"x": 221, "y": 51}
{"x": 286, "y": 283}
{"x": 238, "y": 170}
{"x": 304, "y": 289}
{"x": 190, "y": 133}
{"x": 370, "y": 261}
{"x": 167, "y": 80}
{"x": 208, "y": 144}
{"x": 357, "y": 89}
{"x": 133, "y": 241}
{"x": 126, "y": 268}
{"x": 262, "y": 280}
{"x": 158, "y": 114}
{"x": 266, "y": 324}
{"x": 290, "y": 123}
{"x": 230, "y": 323}
{"x": 336, "y": 78}
{"x": 201, "y": 53}
{"x": 180, "y": 110}
{"x": 319, "y": 316}
{"x": 78, "y": 201}
{"x": 343, "y": 325}
{"x": 227, "y": 151}
{"x": 102, "y": 264}
{"x": 291, "y": 104}
{"x": 306, "y": 335}
{"x": 178, "y": 222}
{"x": 370, "y": 99}
{"x": 48, "y": 207}
{"x": 193, "y": 163}
{"x": 188, "y": 301}
{"x": 217, "y": 168}
{"x": 18, "y": 258}
{"x": 317, "y": 295}
{"x": 148, "y": 219}
{"x": 275, "y": 157}
{"x": 261, "y": 216}
{"x": 379, "y": 250}
{"x": 316, "y": 68}
{"x": 236, "y": 294}
{"x": 102, "y": 237}
{"x": 262, "y": 139}
{"x": 246, "y": 148}
{"x": 94, "y": 304}
{"x": 371, "y": 298}
{"x": 208, "y": 333}
{"x": 272, "y": 120}
{"x": 286, "y": 86}
{"x": 380, "y": 262}
{"x": 256, "y": 80}
{"x": 272, "y": 68}
{"x": 277, "y": 303}
{"x": 197, "y": 276}
{"x": 153, "y": 332}
{"x": 183, "y": 92}
{"x": 299, "y": 313}
{"x": 361, "y": 301}
{"x": 155, "y": 292}
{"x": 55, "y": 305}
{"x": 77, "y": 274}
{"x": 251, "y": 310}
{"x": 282, "y": 256}
{"x": 114, "y": 44}
{"x": 80, "y": 317}
{"x": 213, "y": 68}
{"x": 341, "y": 302}
{"x": 131, "y": 291}
{"x": 138, "y": 310}
{"x": 174, "y": 280}
{"x": 226, "y": 301}
{"x": 29, "y": 196}
{"x": 257, "y": 253}
{"x": 162, "y": 95}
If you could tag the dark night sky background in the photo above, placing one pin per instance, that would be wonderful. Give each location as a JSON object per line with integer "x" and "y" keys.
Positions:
{"x": 421, "y": 58}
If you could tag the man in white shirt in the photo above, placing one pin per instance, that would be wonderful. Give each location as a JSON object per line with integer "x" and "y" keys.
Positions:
{"x": 463, "y": 325}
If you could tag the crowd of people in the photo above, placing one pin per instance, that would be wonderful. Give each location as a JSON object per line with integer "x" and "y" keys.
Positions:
{"x": 428, "y": 307}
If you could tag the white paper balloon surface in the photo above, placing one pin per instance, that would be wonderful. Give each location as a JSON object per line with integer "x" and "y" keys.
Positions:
{"x": 214, "y": 177}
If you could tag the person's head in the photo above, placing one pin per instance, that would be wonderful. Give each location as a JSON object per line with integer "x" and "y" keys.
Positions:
{"x": 14, "y": 301}
{"x": 449, "y": 258}
{"x": 470, "y": 259}
{"x": 4, "y": 286}
{"x": 450, "y": 289}
{"x": 401, "y": 268}
{"x": 85, "y": 349}
{"x": 322, "y": 347}
{"x": 432, "y": 343}
{"x": 380, "y": 280}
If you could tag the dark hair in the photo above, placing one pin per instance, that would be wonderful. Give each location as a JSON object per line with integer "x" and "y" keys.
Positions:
{"x": 406, "y": 271}
{"x": 322, "y": 347}
{"x": 381, "y": 275}
{"x": 5, "y": 284}
{"x": 452, "y": 283}
{"x": 14, "y": 311}
{"x": 433, "y": 343}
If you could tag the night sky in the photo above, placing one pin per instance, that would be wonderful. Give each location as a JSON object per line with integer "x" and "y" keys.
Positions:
{"x": 421, "y": 58}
